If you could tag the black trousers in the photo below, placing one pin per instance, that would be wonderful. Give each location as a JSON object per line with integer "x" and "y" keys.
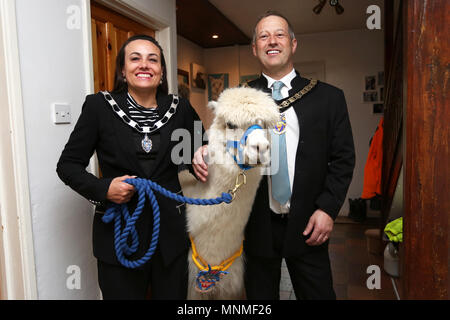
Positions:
{"x": 165, "y": 282}
{"x": 310, "y": 273}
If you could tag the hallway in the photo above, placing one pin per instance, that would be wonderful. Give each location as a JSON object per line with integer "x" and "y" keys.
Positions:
{"x": 349, "y": 261}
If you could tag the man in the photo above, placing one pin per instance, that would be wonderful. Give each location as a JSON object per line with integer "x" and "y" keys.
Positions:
{"x": 319, "y": 160}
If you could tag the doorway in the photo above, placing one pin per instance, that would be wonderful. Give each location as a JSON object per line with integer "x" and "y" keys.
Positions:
{"x": 109, "y": 31}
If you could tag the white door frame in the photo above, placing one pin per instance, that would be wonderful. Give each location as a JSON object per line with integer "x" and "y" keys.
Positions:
{"x": 17, "y": 265}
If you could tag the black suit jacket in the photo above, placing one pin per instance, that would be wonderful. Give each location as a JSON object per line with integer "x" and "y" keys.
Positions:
{"x": 100, "y": 129}
{"x": 324, "y": 166}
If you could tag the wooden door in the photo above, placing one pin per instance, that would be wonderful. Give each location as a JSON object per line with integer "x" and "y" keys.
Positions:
{"x": 427, "y": 175}
{"x": 417, "y": 86}
{"x": 109, "y": 31}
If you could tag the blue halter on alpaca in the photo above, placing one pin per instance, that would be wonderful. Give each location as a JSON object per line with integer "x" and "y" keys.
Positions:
{"x": 232, "y": 144}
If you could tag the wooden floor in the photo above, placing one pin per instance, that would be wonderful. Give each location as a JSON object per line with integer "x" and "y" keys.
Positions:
{"x": 349, "y": 261}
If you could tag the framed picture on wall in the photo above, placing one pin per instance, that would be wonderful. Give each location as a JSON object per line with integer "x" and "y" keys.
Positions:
{"x": 370, "y": 96}
{"x": 216, "y": 84}
{"x": 370, "y": 83}
{"x": 198, "y": 76}
{"x": 183, "y": 77}
{"x": 247, "y": 78}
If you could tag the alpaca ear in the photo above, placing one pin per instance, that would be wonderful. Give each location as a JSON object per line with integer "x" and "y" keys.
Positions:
{"x": 212, "y": 105}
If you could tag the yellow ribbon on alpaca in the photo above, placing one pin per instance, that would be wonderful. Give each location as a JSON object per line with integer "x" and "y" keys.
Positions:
{"x": 203, "y": 265}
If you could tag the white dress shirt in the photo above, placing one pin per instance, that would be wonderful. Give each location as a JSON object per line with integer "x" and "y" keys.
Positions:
{"x": 292, "y": 136}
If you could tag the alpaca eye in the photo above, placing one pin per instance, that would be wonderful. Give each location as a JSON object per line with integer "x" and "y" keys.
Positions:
{"x": 231, "y": 126}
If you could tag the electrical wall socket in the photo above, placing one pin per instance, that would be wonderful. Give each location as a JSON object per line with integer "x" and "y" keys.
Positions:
{"x": 61, "y": 113}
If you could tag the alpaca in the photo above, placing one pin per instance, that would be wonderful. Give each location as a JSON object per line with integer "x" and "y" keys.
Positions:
{"x": 218, "y": 231}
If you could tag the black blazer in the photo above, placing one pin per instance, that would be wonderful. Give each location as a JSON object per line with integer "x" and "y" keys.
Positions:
{"x": 100, "y": 129}
{"x": 323, "y": 169}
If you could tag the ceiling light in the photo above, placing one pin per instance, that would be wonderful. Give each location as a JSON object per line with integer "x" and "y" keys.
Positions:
{"x": 317, "y": 9}
{"x": 335, "y": 3}
{"x": 215, "y": 36}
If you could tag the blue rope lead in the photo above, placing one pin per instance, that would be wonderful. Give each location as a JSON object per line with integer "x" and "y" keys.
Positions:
{"x": 117, "y": 211}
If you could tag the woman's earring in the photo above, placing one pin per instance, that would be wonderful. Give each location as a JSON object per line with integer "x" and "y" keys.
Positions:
{"x": 124, "y": 79}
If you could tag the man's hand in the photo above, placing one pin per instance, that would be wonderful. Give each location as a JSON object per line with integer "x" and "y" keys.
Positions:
{"x": 322, "y": 224}
{"x": 199, "y": 165}
{"x": 120, "y": 192}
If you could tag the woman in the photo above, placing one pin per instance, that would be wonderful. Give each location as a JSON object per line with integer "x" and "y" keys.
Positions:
{"x": 133, "y": 140}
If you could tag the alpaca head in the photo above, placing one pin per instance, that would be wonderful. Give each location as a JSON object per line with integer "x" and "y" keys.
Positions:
{"x": 236, "y": 110}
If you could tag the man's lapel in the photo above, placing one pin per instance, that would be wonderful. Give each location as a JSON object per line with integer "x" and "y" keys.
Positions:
{"x": 297, "y": 84}
{"x": 260, "y": 84}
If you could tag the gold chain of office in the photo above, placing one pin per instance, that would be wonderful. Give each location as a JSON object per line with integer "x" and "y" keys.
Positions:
{"x": 298, "y": 95}
{"x": 295, "y": 97}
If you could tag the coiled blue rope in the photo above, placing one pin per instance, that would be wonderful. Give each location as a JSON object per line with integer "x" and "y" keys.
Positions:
{"x": 115, "y": 212}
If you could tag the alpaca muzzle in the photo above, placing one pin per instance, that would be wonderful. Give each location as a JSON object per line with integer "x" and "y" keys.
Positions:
{"x": 238, "y": 146}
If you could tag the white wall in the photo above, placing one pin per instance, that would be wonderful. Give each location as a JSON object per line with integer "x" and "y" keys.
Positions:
{"x": 55, "y": 66}
{"x": 189, "y": 52}
{"x": 349, "y": 56}
{"x": 224, "y": 60}
{"x": 53, "y": 69}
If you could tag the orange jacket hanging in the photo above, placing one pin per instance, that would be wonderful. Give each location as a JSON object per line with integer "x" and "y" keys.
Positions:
{"x": 372, "y": 171}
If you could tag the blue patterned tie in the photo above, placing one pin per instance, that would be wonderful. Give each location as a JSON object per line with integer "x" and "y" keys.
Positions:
{"x": 281, "y": 187}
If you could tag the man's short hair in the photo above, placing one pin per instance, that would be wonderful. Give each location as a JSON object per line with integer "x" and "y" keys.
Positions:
{"x": 273, "y": 13}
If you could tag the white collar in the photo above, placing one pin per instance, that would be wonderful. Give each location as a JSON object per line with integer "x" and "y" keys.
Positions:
{"x": 287, "y": 79}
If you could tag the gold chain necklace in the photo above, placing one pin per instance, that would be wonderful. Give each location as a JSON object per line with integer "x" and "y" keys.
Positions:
{"x": 298, "y": 95}
{"x": 280, "y": 126}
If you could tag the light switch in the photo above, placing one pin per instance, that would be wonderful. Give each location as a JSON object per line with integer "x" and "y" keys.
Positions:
{"x": 61, "y": 113}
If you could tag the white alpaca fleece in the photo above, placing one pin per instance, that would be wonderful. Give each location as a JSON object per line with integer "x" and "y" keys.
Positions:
{"x": 242, "y": 106}
{"x": 218, "y": 230}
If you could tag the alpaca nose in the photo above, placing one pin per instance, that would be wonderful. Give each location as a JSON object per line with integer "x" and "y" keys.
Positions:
{"x": 260, "y": 148}
{"x": 257, "y": 143}
{"x": 263, "y": 146}
{"x": 257, "y": 147}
